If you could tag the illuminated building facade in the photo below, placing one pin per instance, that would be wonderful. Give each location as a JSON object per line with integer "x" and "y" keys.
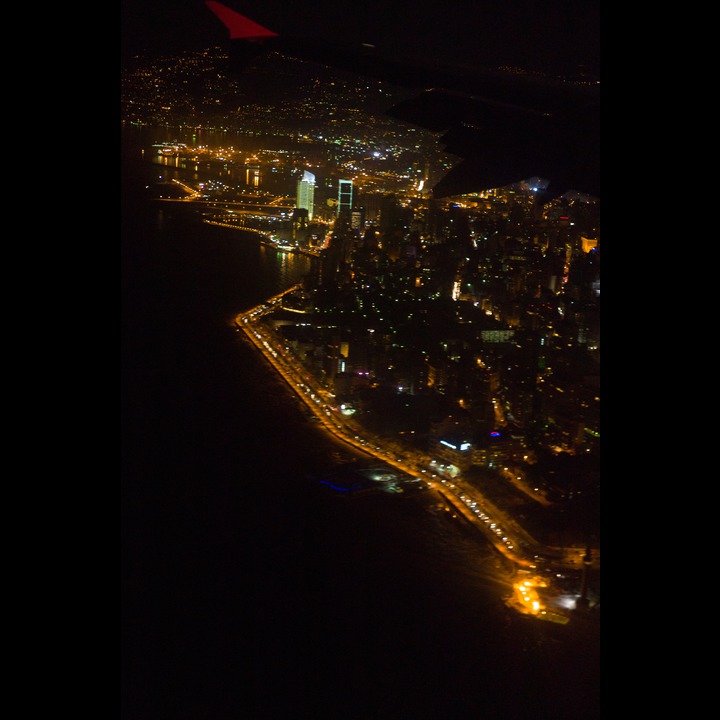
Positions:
{"x": 357, "y": 219}
{"x": 345, "y": 198}
{"x": 454, "y": 454}
{"x": 253, "y": 176}
{"x": 306, "y": 193}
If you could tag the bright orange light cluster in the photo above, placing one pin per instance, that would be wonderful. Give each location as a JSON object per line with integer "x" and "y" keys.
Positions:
{"x": 528, "y": 599}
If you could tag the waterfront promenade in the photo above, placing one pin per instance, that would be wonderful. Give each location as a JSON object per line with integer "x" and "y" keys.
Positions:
{"x": 482, "y": 511}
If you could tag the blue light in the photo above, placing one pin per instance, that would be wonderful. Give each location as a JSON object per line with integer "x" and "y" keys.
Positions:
{"x": 334, "y": 487}
{"x": 494, "y": 433}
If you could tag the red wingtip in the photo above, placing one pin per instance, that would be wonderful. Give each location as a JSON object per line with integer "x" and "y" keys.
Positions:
{"x": 239, "y": 26}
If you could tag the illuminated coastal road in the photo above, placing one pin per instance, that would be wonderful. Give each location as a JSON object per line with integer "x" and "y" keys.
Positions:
{"x": 505, "y": 534}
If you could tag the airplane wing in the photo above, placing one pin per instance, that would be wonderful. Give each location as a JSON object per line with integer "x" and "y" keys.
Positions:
{"x": 505, "y": 127}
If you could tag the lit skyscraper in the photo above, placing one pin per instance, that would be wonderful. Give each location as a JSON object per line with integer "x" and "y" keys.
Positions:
{"x": 345, "y": 197}
{"x": 306, "y": 193}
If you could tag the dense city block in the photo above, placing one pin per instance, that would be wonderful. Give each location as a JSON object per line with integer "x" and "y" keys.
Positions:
{"x": 464, "y": 328}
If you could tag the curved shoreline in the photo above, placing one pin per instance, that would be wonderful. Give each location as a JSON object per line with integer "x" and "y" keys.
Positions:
{"x": 466, "y": 500}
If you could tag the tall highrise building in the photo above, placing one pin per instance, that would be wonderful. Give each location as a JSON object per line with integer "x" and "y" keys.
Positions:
{"x": 357, "y": 219}
{"x": 345, "y": 198}
{"x": 300, "y": 225}
{"x": 306, "y": 193}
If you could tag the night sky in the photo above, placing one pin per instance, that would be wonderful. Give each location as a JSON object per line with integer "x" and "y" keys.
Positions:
{"x": 553, "y": 34}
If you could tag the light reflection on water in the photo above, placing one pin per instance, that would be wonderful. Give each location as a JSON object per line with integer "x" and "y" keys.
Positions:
{"x": 280, "y": 180}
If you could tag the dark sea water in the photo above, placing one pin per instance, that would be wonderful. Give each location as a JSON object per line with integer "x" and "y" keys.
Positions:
{"x": 249, "y": 591}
